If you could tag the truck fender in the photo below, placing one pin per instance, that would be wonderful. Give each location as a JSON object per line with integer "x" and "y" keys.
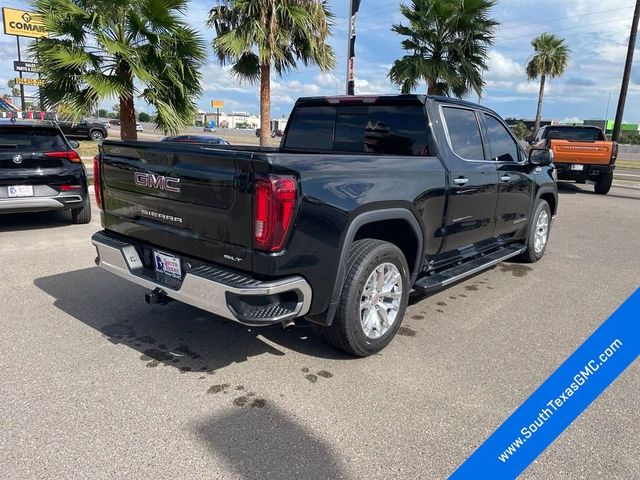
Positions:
{"x": 359, "y": 221}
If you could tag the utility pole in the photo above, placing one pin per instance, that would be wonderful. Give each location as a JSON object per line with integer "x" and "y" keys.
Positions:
{"x": 354, "y": 6}
{"x": 627, "y": 73}
{"x": 22, "y": 104}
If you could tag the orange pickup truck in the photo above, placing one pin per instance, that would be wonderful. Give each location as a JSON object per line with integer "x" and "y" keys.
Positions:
{"x": 580, "y": 153}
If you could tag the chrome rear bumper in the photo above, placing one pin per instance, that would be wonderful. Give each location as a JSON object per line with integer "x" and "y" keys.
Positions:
{"x": 214, "y": 289}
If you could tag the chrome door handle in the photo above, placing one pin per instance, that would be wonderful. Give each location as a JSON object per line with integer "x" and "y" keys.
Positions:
{"x": 505, "y": 178}
{"x": 461, "y": 181}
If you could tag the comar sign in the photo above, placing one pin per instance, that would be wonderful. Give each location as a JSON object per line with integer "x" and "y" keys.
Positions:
{"x": 23, "y": 24}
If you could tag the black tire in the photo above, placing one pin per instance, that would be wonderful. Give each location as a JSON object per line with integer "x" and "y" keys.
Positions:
{"x": 346, "y": 332}
{"x": 530, "y": 255}
{"x": 96, "y": 135}
{"x": 603, "y": 185}
{"x": 82, "y": 215}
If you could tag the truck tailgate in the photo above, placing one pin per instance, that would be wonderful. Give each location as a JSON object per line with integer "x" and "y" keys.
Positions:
{"x": 182, "y": 198}
{"x": 583, "y": 152}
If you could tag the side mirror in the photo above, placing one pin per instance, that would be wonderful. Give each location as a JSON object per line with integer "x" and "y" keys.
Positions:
{"x": 74, "y": 144}
{"x": 540, "y": 157}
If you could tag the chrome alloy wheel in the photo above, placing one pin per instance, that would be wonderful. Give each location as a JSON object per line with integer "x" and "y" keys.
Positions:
{"x": 380, "y": 300}
{"x": 542, "y": 232}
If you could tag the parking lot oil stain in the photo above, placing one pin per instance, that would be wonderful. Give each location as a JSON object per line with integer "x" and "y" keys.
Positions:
{"x": 251, "y": 394}
{"x": 259, "y": 403}
{"x": 439, "y": 310}
{"x": 452, "y": 297}
{"x": 324, "y": 374}
{"x": 152, "y": 364}
{"x": 222, "y": 387}
{"x": 490, "y": 288}
{"x": 406, "y": 332}
{"x": 185, "y": 369}
{"x": 442, "y": 304}
{"x": 305, "y": 370}
{"x": 239, "y": 387}
{"x": 516, "y": 269}
{"x": 418, "y": 317}
{"x": 202, "y": 378}
{"x": 462, "y": 295}
{"x": 311, "y": 377}
{"x": 471, "y": 288}
{"x": 240, "y": 401}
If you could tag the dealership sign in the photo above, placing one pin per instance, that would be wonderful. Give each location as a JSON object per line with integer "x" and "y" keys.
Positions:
{"x": 35, "y": 82}
{"x": 27, "y": 67}
{"x": 23, "y": 23}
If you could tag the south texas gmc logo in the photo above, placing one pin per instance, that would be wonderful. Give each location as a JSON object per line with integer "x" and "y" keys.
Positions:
{"x": 159, "y": 182}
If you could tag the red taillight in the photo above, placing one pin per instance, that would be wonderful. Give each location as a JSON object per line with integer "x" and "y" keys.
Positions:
{"x": 70, "y": 155}
{"x": 275, "y": 204}
{"x": 96, "y": 180}
{"x": 66, "y": 188}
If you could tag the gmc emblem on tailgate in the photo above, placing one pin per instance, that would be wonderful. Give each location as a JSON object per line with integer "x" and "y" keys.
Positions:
{"x": 159, "y": 182}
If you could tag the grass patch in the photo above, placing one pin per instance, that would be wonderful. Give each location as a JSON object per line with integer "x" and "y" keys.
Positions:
{"x": 87, "y": 148}
{"x": 628, "y": 164}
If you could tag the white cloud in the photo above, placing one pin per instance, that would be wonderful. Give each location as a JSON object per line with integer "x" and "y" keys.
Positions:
{"x": 374, "y": 87}
{"x": 501, "y": 67}
{"x": 573, "y": 119}
{"x": 531, "y": 87}
{"x": 326, "y": 79}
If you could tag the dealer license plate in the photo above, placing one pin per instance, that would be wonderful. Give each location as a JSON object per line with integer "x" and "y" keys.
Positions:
{"x": 20, "y": 191}
{"x": 168, "y": 264}
{"x": 577, "y": 168}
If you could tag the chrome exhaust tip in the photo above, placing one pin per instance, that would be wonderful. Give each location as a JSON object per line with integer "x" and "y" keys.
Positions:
{"x": 288, "y": 325}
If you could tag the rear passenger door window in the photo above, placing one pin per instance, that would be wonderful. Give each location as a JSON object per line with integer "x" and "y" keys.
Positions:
{"x": 464, "y": 133}
{"x": 502, "y": 146}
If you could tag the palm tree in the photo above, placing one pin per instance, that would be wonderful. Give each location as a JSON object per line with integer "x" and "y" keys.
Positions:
{"x": 551, "y": 58}
{"x": 258, "y": 35}
{"x": 447, "y": 43}
{"x": 104, "y": 49}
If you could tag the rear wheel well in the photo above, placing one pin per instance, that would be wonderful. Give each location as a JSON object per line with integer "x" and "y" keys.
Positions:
{"x": 551, "y": 200}
{"x": 396, "y": 231}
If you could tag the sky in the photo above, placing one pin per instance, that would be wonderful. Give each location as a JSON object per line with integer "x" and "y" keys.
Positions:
{"x": 596, "y": 32}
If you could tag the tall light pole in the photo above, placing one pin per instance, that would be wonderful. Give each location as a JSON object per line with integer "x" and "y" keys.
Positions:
{"x": 354, "y": 6}
{"x": 627, "y": 74}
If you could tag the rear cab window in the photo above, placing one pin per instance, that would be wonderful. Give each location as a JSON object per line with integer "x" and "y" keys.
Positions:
{"x": 359, "y": 128}
{"x": 574, "y": 133}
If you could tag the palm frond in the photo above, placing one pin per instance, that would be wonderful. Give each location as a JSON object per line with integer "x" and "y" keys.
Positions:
{"x": 103, "y": 49}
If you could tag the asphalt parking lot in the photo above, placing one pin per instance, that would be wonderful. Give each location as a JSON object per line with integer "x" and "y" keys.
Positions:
{"x": 97, "y": 384}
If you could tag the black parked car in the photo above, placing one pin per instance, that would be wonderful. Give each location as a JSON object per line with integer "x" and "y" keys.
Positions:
{"x": 196, "y": 139}
{"x": 40, "y": 170}
{"x": 84, "y": 129}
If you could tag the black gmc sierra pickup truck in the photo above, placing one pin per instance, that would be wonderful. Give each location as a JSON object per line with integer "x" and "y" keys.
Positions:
{"x": 367, "y": 199}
